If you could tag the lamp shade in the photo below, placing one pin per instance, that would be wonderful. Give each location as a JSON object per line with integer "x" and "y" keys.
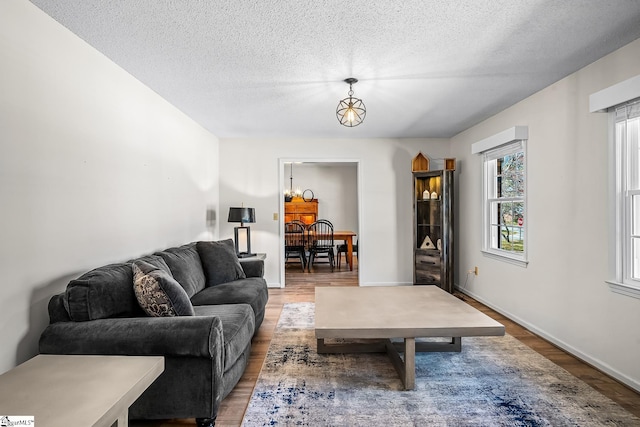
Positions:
{"x": 242, "y": 215}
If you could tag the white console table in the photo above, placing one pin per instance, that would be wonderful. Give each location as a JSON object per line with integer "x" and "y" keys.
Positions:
{"x": 70, "y": 390}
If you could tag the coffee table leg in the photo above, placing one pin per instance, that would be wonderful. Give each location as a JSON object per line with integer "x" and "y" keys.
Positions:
{"x": 320, "y": 347}
{"x": 123, "y": 419}
{"x": 406, "y": 368}
{"x": 409, "y": 363}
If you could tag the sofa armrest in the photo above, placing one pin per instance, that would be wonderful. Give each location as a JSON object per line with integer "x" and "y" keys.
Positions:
{"x": 253, "y": 267}
{"x": 183, "y": 336}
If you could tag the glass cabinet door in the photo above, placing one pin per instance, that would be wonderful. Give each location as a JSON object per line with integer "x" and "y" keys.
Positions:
{"x": 428, "y": 212}
{"x": 433, "y": 234}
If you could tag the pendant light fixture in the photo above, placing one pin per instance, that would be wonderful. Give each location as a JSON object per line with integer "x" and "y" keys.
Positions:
{"x": 289, "y": 194}
{"x": 351, "y": 111}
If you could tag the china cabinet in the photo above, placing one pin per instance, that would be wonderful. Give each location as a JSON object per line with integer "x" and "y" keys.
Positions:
{"x": 433, "y": 228}
{"x": 305, "y": 211}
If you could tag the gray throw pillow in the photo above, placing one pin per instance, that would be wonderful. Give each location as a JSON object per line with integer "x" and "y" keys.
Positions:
{"x": 186, "y": 268}
{"x": 220, "y": 262}
{"x": 102, "y": 293}
{"x": 158, "y": 293}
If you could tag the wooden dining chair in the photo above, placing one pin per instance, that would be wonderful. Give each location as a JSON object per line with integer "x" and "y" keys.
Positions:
{"x": 295, "y": 242}
{"x": 320, "y": 242}
{"x": 302, "y": 223}
{"x": 342, "y": 249}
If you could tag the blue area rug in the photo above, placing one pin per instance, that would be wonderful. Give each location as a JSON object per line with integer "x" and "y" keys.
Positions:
{"x": 494, "y": 381}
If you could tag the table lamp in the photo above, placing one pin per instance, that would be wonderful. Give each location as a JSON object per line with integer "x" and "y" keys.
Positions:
{"x": 242, "y": 234}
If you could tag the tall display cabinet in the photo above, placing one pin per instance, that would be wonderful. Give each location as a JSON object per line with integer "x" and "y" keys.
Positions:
{"x": 433, "y": 228}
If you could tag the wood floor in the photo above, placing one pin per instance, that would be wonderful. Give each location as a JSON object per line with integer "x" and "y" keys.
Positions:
{"x": 300, "y": 287}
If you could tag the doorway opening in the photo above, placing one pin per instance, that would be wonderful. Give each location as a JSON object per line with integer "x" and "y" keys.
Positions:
{"x": 322, "y": 189}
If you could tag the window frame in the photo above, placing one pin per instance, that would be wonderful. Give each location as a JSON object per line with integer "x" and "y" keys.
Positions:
{"x": 603, "y": 101}
{"x": 622, "y": 225}
{"x": 489, "y": 231}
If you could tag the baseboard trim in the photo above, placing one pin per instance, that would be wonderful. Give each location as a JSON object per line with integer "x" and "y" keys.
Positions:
{"x": 387, "y": 284}
{"x": 596, "y": 363}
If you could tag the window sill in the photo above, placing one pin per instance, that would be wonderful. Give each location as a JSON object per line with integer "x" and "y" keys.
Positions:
{"x": 624, "y": 289}
{"x": 521, "y": 262}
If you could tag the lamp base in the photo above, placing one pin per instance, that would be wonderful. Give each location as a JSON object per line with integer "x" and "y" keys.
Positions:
{"x": 243, "y": 250}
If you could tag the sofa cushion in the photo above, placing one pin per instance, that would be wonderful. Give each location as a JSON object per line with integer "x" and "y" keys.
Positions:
{"x": 252, "y": 291}
{"x": 237, "y": 328}
{"x": 156, "y": 261}
{"x": 102, "y": 293}
{"x": 186, "y": 268}
{"x": 252, "y": 267}
{"x": 158, "y": 293}
{"x": 220, "y": 262}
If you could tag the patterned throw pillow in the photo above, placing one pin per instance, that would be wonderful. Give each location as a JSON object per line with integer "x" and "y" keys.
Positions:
{"x": 158, "y": 293}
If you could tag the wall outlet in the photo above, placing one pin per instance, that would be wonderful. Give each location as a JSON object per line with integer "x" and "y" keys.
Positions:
{"x": 475, "y": 270}
{"x": 275, "y": 216}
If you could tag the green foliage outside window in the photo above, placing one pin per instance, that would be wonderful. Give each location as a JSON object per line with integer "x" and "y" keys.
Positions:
{"x": 510, "y": 184}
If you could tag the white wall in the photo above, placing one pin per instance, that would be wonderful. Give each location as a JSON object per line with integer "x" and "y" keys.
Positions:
{"x": 250, "y": 174}
{"x": 335, "y": 187}
{"x": 94, "y": 168}
{"x": 561, "y": 294}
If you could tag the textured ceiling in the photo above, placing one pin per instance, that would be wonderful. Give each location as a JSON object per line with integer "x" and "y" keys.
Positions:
{"x": 427, "y": 68}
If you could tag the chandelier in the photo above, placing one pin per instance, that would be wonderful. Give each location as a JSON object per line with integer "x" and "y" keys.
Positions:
{"x": 351, "y": 111}
{"x": 289, "y": 194}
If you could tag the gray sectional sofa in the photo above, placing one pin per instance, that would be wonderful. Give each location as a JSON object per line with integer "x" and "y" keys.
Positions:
{"x": 197, "y": 305}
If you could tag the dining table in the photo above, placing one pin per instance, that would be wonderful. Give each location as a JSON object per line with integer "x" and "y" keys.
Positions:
{"x": 347, "y": 236}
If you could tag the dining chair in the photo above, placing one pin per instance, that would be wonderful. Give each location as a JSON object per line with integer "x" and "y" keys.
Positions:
{"x": 342, "y": 249}
{"x": 302, "y": 223}
{"x": 295, "y": 242}
{"x": 320, "y": 242}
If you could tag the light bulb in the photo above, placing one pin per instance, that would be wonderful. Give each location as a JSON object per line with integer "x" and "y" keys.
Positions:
{"x": 351, "y": 116}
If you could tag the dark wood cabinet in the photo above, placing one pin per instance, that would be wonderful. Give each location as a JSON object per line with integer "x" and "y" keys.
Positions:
{"x": 433, "y": 228}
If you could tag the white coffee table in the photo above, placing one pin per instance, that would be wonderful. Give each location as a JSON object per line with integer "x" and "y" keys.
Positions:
{"x": 406, "y": 312}
{"x": 70, "y": 390}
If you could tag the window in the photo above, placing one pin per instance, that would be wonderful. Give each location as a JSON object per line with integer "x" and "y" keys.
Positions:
{"x": 504, "y": 215}
{"x": 627, "y": 147}
{"x": 622, "y": 100}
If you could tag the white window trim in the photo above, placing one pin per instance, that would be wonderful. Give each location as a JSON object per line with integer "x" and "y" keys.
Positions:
{"x": 603, "y": 101}
{"x": 623, "y": 289}
{"x": 508, "y": 136}
{"x": 622, "y": 92}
